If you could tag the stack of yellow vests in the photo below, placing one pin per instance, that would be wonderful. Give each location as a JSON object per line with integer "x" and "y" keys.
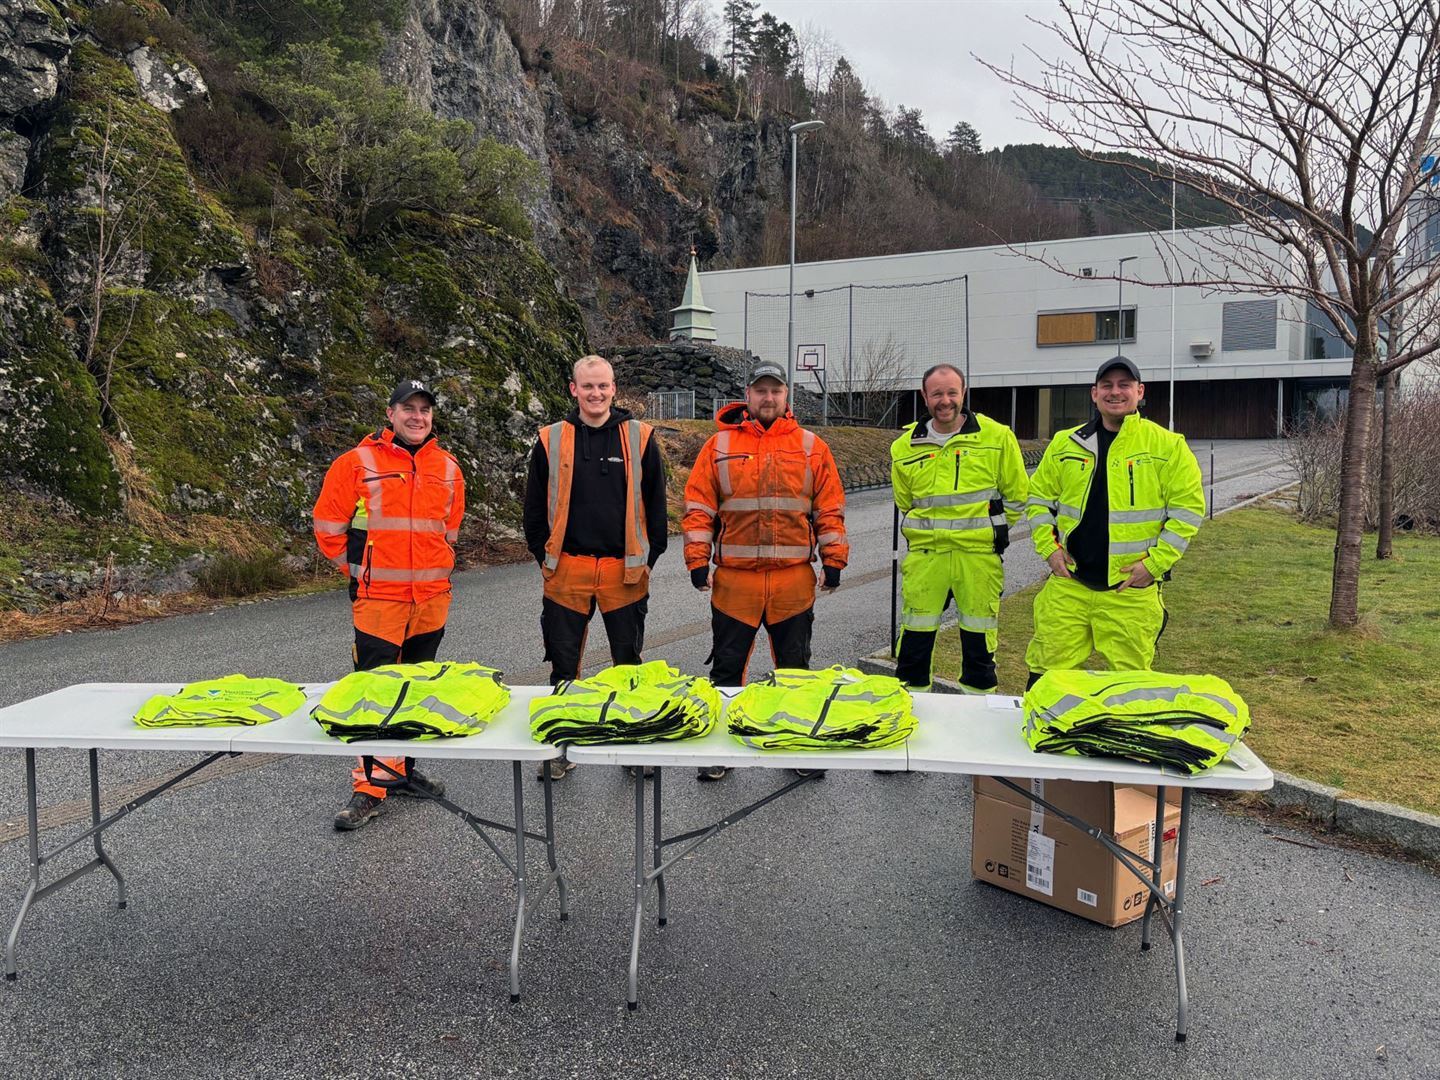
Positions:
{"x": 838, "y": 708}
{"x": 232, "y": 699}
{"x": 1188, "y": 722}
{"x": 412, "y": 701}
{"x": 638, "y": 703}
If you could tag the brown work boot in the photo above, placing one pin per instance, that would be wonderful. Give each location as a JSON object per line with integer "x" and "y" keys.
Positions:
{"x": 358, "y": 812}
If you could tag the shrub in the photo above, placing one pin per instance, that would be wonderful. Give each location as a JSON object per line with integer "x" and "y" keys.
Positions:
{"x": 371, "y": 153}
{"x": 244, "y": 575}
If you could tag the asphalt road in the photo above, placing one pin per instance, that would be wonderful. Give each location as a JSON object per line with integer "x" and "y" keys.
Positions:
{"x": 835, "y": 933}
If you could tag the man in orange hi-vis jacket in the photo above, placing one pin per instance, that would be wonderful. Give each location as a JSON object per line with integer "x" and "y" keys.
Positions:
{"x": 388, "y": 515}
{"x": 763, "y": 496}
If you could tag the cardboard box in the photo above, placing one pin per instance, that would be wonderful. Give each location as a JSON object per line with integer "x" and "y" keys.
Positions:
{"x": 1028, "y": 851}
{"x": 1088, "y": 801}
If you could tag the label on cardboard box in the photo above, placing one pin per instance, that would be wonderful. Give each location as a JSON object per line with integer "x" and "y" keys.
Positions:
{"x": 1085, "y": 896}
{"x": 1040, "y": 863}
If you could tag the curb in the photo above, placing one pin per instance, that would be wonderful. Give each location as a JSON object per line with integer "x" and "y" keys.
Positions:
{"x": 1413, "y": 831}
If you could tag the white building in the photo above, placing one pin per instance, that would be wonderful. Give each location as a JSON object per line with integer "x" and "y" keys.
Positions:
{"x": 1041, "y": 318}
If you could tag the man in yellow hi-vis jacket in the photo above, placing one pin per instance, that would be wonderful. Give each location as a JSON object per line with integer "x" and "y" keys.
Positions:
{"x": 1112, "y": 507}
{"x": 960, "y": 481}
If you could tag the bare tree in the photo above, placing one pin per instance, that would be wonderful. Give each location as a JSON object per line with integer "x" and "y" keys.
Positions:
{"x": 1309, "y": 123}
{"x": 818, "y": 53}
{"x": 118, "y": 214}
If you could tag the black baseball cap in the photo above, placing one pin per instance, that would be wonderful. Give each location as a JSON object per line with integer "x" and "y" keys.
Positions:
{"x": 766, "y": 369}
{"x": 1120, "y": 362}
{"x": 405, "y": 389}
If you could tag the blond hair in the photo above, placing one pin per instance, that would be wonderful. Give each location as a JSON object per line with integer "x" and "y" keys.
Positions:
{"x": 589, "y": 361}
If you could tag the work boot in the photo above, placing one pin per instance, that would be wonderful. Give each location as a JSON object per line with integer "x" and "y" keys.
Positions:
{"x": 648, "y": 771}
{"x": 558, "y": 768}
{"x": 817, "y": 773}
{"x": 712, "y": 772}
{"x": 416, "y": 779}
{"x": 358, "y": 811}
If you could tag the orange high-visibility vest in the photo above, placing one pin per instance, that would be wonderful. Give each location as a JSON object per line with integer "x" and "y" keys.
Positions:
{"x": 389, "y": 518}
{"x": 558, "y": 439}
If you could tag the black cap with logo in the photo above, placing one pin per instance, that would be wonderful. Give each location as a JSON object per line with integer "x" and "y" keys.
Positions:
{"x": 405, "y": 389}
{"x": 1120, "y": 362}
{"x": 766, "y": 369}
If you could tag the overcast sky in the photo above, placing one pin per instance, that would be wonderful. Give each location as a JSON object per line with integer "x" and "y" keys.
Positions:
{"x": 918, "y": 53}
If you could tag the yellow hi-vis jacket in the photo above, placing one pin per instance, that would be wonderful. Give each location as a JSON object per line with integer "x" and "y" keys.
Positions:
{"x": 1187, "y": 722}
{"x": 958, "y": 492}
{"x": 1156, "y": 498}
{"x": 430, "y": 700}
{"x": 231, "y": 699}
{"x": 838, "y": 708}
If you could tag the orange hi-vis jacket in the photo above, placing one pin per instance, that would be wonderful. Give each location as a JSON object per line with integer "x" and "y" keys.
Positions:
{"x": 388, "y": 518}
{"x": 559, "y": 442}
{"x": 760, "y": 499}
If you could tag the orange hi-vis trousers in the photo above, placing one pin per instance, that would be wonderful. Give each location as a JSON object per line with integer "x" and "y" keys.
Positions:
{"x": 394, "y": 632}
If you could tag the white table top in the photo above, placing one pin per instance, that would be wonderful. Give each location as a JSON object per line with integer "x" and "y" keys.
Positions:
{"x": 979, "y": 736}
{"x": 100, "y": 716}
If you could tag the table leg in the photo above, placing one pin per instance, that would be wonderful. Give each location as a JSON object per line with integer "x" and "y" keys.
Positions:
{"x": 520, "y": 896}
{"x": 100, "y": 852}
{"x": 1177, "y": 911}
{"x": 632, "y": 1002}
{"x": 657, "y": 850}
{"x": 551, "y": 858}
{"x": 32, "y": 817}
{"x": 1157, "y": 852}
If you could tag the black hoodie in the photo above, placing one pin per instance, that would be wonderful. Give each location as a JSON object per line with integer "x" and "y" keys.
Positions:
{"x": 596, "y": 524}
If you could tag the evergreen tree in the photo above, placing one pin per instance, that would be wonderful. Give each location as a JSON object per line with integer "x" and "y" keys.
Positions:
{"x": 963, "y": 141}
{"x": 739, "y": 33}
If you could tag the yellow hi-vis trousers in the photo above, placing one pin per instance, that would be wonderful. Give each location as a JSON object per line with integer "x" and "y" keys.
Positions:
{"x": 929, "y": 579}
{"x": 1073, "y": 620}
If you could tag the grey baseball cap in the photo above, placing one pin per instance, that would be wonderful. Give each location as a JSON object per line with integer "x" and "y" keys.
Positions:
{"x": 766, "y": 369}
{"x": 1120, "y": 362}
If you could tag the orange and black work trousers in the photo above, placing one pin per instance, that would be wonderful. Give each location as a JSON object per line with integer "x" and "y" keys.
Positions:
{"x": 580, "y": 584}
{"x": 394, "y": 632}
{"x": 742, "y": 601}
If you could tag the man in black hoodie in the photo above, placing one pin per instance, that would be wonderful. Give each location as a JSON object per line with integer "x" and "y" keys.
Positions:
{"x": 595, "y": 521}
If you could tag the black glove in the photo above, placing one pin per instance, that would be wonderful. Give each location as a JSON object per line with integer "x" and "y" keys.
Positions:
{"x": 832, "y": 577}
{"x": 700, "y": 577}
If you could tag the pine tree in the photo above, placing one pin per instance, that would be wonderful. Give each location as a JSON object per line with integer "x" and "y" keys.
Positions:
{"x": 739, "y": 33}
{"x": 963, "y": 140}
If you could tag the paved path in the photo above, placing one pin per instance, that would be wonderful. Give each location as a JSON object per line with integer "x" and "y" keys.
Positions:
{"x": 836, "y": 933}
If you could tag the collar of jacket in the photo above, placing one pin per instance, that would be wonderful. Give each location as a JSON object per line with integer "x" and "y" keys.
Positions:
{"x": 386, "y": 437}
{"x": 922, "y": 432}
{"x": 737, "y": 416}
{"x": 1089, "y": 438}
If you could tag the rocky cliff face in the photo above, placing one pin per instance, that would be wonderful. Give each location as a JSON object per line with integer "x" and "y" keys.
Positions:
{"x": 155, "y": 352}
{"x": 622, "y": 207}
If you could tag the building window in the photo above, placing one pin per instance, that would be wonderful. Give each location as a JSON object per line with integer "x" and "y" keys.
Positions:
{"x": 1081, "y": 327}
{"x": 1247, "y": 324}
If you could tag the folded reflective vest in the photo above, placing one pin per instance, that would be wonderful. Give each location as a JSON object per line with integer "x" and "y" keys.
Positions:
{"x": 838, "y": 708}
{"x": 232, "y": 699}
{"x": 412, "y": 701}
{"x": 626, "y": 703}
{"x": 1188, "y": 722}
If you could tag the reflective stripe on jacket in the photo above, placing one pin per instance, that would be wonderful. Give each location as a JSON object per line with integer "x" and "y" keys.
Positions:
{"x": 958, "y": 492}
{"x": 761, "y": 498}
{"x": 558, "y": 439}
{"x": 1157, "y": 501}
{"x": 1187, "y": 722}
{"x": 389, "y": 518}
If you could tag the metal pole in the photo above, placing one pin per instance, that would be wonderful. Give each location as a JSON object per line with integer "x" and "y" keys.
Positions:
{"x": 745, "y": 333}
{"x": 967, "y": 342}
{"x": 790, "y": 324}
{"x": 1172, "y": 307}
{"x": 1212, "y": 481}
{"x": 894, "y": 578}
{"x": 850, "y": 353}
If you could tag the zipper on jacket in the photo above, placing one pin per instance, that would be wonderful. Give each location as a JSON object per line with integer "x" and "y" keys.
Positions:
{"x": 365, "y": 568}
{"x": 400, "y": 700}
{"x": 1130, "y": 467}
{"x": 384, "y": 476}
{"x": 957, "y": 472}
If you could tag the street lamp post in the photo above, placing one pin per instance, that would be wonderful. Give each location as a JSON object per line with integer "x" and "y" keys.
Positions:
{"x": 795, "y": 131}
{"x": 1120, "y": 302}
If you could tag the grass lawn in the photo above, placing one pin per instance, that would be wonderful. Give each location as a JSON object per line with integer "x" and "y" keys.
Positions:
{"x": 1356, "y": 710}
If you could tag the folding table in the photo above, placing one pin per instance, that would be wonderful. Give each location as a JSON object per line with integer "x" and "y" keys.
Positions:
{"x": 979, "y": 736}
{"x": 98, "y": 716}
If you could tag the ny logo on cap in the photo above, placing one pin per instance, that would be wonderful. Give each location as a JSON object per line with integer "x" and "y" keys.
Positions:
{"x": 416, "y": 384}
